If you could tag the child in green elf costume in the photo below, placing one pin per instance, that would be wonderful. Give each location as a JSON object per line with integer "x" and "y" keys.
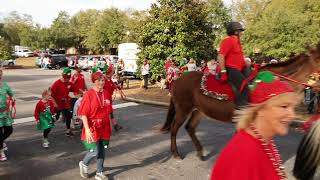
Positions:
{"x": 44, "y": 116}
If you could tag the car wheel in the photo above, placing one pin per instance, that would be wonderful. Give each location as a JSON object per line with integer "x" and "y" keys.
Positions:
{"x": 10, "y": 64}
{"x": 57, "y": 66}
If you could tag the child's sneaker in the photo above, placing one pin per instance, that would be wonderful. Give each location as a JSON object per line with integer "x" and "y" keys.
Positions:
{"x": 3, "y": 156}
{"x": 45, "y": 143}
{"x": 69, "y": 134}
{"x": 83, "y": 170}
{"x": 100, "y": 176}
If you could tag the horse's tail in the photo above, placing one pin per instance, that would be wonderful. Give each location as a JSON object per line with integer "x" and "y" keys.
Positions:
{"x": 170, "y": 117}
{"x": 308, "y": 155}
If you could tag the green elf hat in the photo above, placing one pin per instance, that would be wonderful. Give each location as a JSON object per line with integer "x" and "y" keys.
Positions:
{"x": 95, "y": 74}
{"x": 107, "y": 69}
{"x": 265, "y": 86}
{"x": 66, "y": 73}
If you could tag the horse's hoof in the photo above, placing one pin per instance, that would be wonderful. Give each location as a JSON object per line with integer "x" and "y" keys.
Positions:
{"x": 177, "y": 156}
{"x": 200, "y": 155}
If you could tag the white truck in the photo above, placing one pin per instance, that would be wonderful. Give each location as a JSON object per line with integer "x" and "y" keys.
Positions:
{"x": 22, "y": 51}
{"x": 128, "y": 53}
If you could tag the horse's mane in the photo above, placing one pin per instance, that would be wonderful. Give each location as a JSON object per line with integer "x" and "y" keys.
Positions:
{"x": 292, "y": 59}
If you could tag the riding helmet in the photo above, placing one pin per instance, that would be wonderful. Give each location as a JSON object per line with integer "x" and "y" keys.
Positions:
{"x": 234, "y": 26}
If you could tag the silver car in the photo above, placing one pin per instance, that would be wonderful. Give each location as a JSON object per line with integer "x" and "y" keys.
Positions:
{"x": 9, "y": 62}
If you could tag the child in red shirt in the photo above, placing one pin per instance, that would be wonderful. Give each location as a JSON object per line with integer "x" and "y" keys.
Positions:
{"x": 43, "y": 114}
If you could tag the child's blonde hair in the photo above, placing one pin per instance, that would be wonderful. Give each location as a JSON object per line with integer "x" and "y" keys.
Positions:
{"x": 45, "y": 92}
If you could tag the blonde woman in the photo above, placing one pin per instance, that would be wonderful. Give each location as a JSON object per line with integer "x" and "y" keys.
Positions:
{"x": 251, "y": 154}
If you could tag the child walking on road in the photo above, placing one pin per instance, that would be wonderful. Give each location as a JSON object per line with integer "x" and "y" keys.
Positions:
{"x": 44, "y": 116}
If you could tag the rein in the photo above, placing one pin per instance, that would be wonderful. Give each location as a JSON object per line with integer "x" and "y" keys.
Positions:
{"x": 257, "y": 69}
{"x": 289, "y": 79}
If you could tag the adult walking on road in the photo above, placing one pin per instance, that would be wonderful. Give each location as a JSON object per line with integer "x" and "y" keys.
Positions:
{"x": 95, "y": 110}
{"x": 6, "y": 119}
{"x": 60, "y": 93}
{"x": 251, "y": 154}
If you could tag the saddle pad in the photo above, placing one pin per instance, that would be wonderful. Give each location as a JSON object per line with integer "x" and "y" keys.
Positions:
{"x": 216, "y": 89}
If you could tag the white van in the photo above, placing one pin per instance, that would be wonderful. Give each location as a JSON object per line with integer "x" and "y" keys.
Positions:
{"x": 128, "y": 52}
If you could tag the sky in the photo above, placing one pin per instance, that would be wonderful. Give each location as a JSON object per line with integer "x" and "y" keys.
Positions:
{"x": 45, "y": 11}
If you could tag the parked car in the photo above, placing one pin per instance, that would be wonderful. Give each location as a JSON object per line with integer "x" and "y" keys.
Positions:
{"x": 57, "y": 61}
{"x": 23, "y": 53}
{"x": 88, "y": 62}
{"x": 9, "y": 62}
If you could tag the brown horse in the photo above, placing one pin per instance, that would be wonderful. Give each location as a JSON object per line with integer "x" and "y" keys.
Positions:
{"x": 189, "y": 103}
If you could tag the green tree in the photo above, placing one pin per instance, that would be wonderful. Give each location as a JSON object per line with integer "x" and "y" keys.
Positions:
{"x": 108, "y": 31}
{"x": 81, "y": 24}
{"x": 219, "y": 16}
{"x": 61, "y": 31}
{"x": 177, "y": 28}
{"x": 16, "y": 27}
{"x": 5, "y": 49}
{"x": 281, "y": 27}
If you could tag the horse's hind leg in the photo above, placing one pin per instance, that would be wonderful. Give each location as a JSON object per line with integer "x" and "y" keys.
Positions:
{"x": 191, "y": 129}
{"x": 181, "y": 116}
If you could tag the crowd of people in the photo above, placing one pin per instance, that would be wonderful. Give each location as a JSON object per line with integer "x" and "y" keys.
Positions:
{"x": 251, "y": 154}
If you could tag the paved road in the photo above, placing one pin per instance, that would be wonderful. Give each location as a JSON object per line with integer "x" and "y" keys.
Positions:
{"x": 138, "y": 152}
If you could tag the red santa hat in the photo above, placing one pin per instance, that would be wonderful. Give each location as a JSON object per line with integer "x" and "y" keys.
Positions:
{"x": 95, "y": 75}
{"x": 266, "y": 86}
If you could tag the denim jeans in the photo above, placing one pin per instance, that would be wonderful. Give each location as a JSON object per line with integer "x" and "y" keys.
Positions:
{"x": 99, "y": 153}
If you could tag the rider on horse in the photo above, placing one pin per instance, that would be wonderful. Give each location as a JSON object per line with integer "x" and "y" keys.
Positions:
{"x": 232, "y": 62}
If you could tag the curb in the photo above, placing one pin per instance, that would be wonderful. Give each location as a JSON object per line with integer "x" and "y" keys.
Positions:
{"x": 146, "y": 101}
{"x": 294, "y": 124}
{"x": 14, "y": 67}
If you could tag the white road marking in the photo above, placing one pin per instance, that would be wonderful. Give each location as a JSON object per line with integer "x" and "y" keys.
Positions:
{"x": 117, "y": 106}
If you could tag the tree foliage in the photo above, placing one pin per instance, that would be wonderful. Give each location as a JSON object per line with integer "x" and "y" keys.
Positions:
{"x": 176, "y": 28}
{"x": 219, "y": 16}
{"x": 61, "y": 31}
{"x": 280, "y": 27}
